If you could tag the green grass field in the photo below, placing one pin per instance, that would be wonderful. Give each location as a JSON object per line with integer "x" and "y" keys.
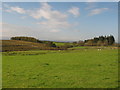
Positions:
{"x": 84, "y": 68}
{"x": 62, "y": 44}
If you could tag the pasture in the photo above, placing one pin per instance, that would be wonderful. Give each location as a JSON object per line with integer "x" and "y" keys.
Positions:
{"x": 62, "y": 43}
{"x": 82, "y": 68}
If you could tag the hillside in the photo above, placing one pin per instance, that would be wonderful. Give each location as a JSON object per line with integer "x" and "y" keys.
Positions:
{"x": 17, "y": 45}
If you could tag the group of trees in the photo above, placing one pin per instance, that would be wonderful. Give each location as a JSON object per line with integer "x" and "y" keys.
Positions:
{"x": 97, "y": 41}
{"x": 30, "y": 39}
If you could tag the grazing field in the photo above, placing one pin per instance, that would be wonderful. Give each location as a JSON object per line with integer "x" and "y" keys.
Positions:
{"x": 82, "y": 68}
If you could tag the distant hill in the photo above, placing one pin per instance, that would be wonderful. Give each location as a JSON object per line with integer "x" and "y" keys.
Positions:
{"x": 18, "y": 45}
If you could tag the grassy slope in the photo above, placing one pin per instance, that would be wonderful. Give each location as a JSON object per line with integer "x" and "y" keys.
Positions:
{"x": 74, "y": 69}
{"x": 62, "y": 43}
{"x": 59, "y": 43}
{"x": 17, "y": 45}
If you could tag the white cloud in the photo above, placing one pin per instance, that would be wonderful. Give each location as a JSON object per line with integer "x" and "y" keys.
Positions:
{"x": 45, "y": 11}
{"x": 55, "y": 20}
{"x": 74, "y": 11}
{"x": 14, "y": 9}
{"x": 18, "y": 10}
{"x": 97, "y": 11}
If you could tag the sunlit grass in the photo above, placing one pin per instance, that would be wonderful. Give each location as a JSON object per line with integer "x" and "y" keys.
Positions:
{"x": 86, "y": 68}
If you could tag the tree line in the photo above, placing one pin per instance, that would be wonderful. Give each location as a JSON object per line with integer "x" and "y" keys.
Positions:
{"x": 30, "y": 39}
{"x": 97, "y": 41}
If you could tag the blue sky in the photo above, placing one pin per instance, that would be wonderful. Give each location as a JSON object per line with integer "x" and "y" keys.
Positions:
{"x": 64, "y": 21}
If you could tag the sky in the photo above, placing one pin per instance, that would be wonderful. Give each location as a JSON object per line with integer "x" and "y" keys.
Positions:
{"x": 61, "y": 21}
